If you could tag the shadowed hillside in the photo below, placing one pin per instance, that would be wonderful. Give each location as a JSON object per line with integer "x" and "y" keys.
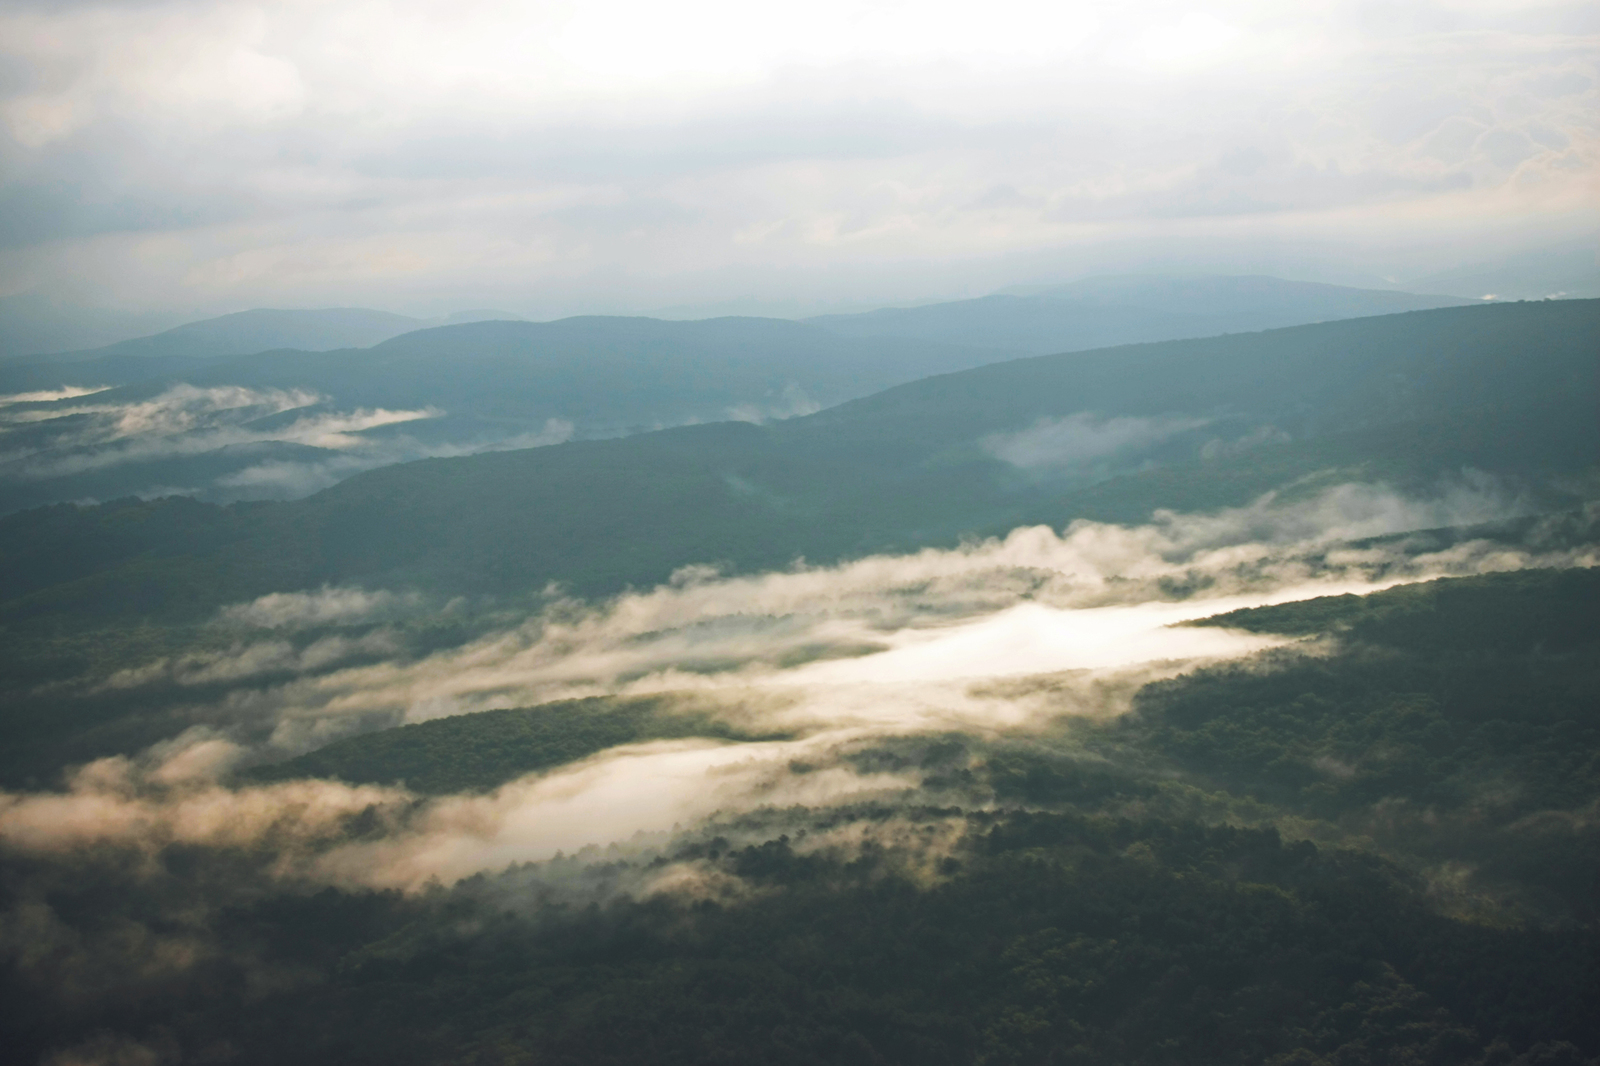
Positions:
{"x": 1114, "y": 434}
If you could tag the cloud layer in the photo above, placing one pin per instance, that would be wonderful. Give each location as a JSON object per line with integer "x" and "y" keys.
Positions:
{"x": 622, "y": 155}
{"x": 72, "y": 432}
{"x": 988, "y": 640}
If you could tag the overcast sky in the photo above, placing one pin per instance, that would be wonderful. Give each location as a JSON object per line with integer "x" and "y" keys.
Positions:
{"x": 612, "y": 155}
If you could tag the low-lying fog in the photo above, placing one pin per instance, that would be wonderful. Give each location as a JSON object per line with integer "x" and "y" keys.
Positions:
{"x": 992, "y": 638}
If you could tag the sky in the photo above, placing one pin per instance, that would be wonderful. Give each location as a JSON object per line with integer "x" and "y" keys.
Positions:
{"x": 424, "y": 156}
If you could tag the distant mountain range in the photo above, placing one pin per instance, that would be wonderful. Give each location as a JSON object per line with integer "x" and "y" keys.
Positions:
{"x": 24, "y": 338}
{"x": 1509, "y": 390}
{"x": 276, "y": 404}
{"x": 284, "y": 423}
{"x": 259, "y": 331}
{"x": 1570, "y": 270}
{"x": 1099, "y": 312}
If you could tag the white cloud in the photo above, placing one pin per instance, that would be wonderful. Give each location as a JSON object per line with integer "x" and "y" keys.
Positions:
{"x": 187, "y": 420}
{"x": 627, "y": 155}
{"x": 324, "y": 607}
{"x": 1094, "y": 597}
{"x": 990, "y": 639}
{"x": 1083, "y": 438}
{"x": 69, "y": 392}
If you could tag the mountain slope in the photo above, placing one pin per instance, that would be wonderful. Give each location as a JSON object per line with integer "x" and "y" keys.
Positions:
{"x": 609, "y": 374}
{"x": 280, "y": 424}
{"x": 260, "y": 330}
{"x": 1100, "y": 312}
{"x": 1507, "y": 389}
{"x": 1570, "y": 269}
{"x": 32, "y": 324}
{"x": 255, "y": 406}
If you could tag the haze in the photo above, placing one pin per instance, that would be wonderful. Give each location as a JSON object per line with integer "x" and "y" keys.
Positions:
{"x": 180, "y": 158}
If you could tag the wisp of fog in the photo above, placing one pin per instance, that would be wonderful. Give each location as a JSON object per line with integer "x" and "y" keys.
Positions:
{"x": 820, "y": 660}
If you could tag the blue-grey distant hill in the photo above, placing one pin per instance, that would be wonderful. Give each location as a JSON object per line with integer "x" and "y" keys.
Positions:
{"x": 1509, "y": 390}
{"x": 259, "y": 330}
{"x": 283, "y": 423}
{"x": 1568, "y": 270}
{"x": 175, "y": 353}
{"x": 31, "y": 323}
{"x": 1105, "y": 311}
{"x": 240, "y": 333}
{"x": 278, "y": 404}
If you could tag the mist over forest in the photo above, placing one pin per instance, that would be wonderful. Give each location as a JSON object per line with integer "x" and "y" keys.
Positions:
{"x": 856, "y": 534}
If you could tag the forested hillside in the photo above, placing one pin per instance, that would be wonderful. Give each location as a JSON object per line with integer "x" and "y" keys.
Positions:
{"x": 185, "y": 413}
{"x": 955, "y": 535}
{"x": 1191, "y": 425}
{"x": 1370, "y": 846}
{"x": 470, "y": 761}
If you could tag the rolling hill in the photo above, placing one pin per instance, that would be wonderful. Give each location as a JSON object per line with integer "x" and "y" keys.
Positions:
{"x": 1104, "y": 311}
{"x": 284, "y": 423}
{"x": 277, "y": 404}
{"x": 259, "y": 330}
{"x": 1408, "y": 399}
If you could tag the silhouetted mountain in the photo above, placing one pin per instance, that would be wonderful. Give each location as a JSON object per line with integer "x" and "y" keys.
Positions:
{"x": 1101, "y": 312}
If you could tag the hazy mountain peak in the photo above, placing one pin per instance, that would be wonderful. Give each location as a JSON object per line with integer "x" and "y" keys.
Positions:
{"x": 264, "y": 329}
{"x": 1131, "y": 308}
{"x": 487, "y": 314}
{"x": 1570, "y": 269}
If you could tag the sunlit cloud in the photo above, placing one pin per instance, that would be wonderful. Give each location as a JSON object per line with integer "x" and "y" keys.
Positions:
{"x": 993, "y": 640}
{"x": 46, "y": 396}
{"x": 893, "y": 641}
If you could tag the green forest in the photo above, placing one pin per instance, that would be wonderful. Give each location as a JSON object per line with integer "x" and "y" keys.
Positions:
{"x": 1375, "y": 844}
{"x": 588, "y": 753}
{"x": 862, "y": 533}
{"x": 1401, "y": 400}
{"x": 1041, "y": 938}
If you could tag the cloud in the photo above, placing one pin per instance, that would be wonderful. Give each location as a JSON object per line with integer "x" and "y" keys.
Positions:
{"x": 791, "y": 401}
{"x": 252, "y": 660}
{"x": 68, "y": 392}
{"x": 841, "y": 669}
{"x": 182, "y": 420}
{"x": 169, "y": 797}
{"x": 1082, "y": 438}
{"x": 1260, "y": 437}
{"x": 287, "y": 479}
{"x": 218, "y": 153}
{"x": 328, "y": 605}
{"x": 43, "y": 438}
{"x": 636, "y": 789}
{"x": 1093, "y": 597}
{"x": 216, "y": 442}
{"x": 119, "y": 803}
{"x": 993, "y": 639}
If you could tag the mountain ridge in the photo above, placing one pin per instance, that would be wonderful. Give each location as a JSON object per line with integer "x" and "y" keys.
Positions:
{"x": 1408, "y": 399}
{"x": 1134, "y": 308}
